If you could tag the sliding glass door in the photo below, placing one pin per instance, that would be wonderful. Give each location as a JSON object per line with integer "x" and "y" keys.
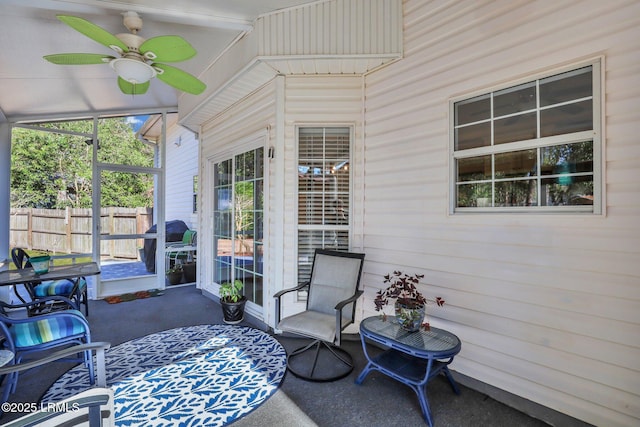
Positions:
{"x": 238, "y": 196}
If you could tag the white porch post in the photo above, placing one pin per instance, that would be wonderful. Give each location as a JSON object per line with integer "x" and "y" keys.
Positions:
{"x": 5, "y": 190}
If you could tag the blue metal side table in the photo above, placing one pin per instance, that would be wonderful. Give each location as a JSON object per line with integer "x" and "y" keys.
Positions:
{"x": 413, "y": 358}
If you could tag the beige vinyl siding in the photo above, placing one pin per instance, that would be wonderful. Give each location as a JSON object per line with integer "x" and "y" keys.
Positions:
{"x": 277, "y": 108}
{"x": 547, "y": 306}
{"x": 246, "y": 121}
{"x": 333, "y": 37}
{"x": 339, "y": 27}
{"x": 338, "y": 37}
{"x": 317, "y": 101}
{"x": 254, "y": 113}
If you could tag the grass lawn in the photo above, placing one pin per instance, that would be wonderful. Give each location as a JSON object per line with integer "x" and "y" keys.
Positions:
{"x": 67, "y": 259}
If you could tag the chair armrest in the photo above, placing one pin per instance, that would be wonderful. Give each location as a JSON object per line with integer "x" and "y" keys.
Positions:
{"x": 56, "y": 298}
{"x": 180, "y": 247}
{"x": 174, "y": 246}
{"x": 99, "y": 347}
{"x": 93, "y": 407}
{"x": 351, "y": 299}
{"x": 77, "y": 314}
{"x": 279, "y": 294}
{"x": 284, "y": 291}
{"x": 339, "y": 306}
{"x": 60, "y": 354}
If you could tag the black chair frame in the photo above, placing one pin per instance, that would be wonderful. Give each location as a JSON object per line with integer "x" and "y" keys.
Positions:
{"x": 77, "y": 296}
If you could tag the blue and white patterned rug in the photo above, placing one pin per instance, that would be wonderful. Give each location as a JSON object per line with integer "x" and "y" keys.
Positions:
{"x": 207, "y": 375}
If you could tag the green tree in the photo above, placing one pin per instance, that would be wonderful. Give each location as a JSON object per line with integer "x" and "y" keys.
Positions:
{"x": 54, "y": 170}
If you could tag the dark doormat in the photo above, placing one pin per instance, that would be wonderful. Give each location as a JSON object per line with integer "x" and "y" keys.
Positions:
{"x": 133, "y": 296}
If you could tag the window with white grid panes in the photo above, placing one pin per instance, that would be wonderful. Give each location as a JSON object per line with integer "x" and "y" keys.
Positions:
{"x": 530, "y": 147}
{"x": 324, "y": 188}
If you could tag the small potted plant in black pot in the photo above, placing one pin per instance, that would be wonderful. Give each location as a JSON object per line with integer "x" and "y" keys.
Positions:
{"x": 232, "y": 301}
{"x": 174, "y": 274}
{"x": 189, "y": 270}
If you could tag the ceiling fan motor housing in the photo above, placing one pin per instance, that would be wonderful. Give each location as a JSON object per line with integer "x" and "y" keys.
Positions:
{"x": 132, "y": 41}
{"x": 132, "y": 21}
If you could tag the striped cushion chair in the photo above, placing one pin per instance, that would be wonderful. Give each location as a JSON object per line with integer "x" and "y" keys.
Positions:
{"x": 66, "y": 287}
{"x": 25, "y": 335}
{"x": 58, "y": 287}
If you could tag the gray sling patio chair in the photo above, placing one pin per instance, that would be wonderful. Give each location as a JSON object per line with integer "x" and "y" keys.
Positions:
{"x": 332, "y": 293}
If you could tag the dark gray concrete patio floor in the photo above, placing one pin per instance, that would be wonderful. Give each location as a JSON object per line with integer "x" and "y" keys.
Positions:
{"x": 380, "y": 401}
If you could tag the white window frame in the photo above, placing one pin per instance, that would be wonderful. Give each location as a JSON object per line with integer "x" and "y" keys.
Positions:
{"x": 595, "y": 135}
{"x": 341, "y": 228}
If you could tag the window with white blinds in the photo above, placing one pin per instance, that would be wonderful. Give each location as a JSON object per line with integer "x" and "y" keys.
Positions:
{"x": 324, "y": 197}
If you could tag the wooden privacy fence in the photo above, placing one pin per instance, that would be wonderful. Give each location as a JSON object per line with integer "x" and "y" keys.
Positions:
{"x": 69, "y": 230}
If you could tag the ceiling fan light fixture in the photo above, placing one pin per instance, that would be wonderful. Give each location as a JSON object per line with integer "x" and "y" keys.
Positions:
{"x": 132, "y": 70}
{"x": 141, "y": 59}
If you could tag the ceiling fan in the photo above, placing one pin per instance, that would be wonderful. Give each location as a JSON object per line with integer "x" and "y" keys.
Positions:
{"x": 139, "y": 60}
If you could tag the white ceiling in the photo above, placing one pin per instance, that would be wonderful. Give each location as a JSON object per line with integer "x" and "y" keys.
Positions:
{"x": 32, "y": 88}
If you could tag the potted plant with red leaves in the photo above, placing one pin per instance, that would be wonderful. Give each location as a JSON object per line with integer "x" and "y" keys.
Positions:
{"x": 409, "y": 302}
